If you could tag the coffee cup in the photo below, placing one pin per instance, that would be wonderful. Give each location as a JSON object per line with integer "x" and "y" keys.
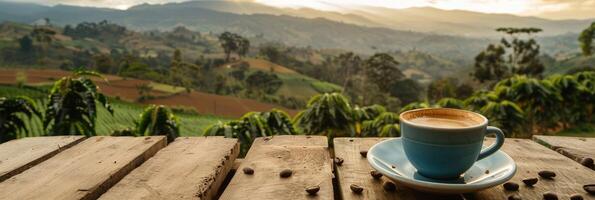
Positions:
{"x": 443, "y": 143}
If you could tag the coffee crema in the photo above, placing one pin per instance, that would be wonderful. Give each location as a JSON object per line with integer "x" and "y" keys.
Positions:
{"x": 439, "y": 122}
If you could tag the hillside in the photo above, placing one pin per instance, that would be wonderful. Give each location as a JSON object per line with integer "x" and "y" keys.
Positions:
{"x": 126, "y": 89}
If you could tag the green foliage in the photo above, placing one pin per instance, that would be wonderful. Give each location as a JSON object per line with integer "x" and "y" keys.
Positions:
{"x": 489, "y": 64}
{"x": 506, "y": 115}
{"x": 325, "y": 87}
{"x": 71, "y": 106}
{"x": 450, "y": 103}
{"x": 327, "y": 114}
{"x": 586, "y": 40}
{"x": 263, "y": 81}
{"x": 384, "y": 125}
{"x": 158, "y": 120}
{"x": 231, "y": 42}
{"x": 415, "y": 105}
{"x": 253, "y": 125}
{"x": 10, "y": 120}
{"x": 439, "y": 89}
{"x": 382, "y": 70}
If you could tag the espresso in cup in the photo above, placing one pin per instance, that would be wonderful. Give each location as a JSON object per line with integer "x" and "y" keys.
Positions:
{"x": 443, "y": 143}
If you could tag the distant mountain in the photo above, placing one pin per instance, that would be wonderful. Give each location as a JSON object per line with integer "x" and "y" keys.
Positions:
{"x": 366, "y": 30}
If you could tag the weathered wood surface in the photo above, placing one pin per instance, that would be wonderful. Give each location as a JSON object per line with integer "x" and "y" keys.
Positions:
{"x": 307, "y": 156}
{"x": 573, "y": 147}
{"x": 84, "y": 171}
{"x": 19, "y": 155}
{"x": 529, "y": 156}
{"x": 188, "y": 168}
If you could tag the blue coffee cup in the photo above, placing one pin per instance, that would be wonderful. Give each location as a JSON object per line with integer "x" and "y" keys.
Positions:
{"x": 443, "y": 143}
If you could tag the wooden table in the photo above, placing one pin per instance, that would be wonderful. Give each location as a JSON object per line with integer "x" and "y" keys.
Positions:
{"x": 72, "y": 167}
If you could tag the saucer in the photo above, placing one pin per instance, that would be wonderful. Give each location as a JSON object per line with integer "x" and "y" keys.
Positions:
{"x": 388, "y": 158}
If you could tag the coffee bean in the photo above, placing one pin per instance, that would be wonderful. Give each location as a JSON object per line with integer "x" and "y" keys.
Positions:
{"x": 375, "y": 174}
{"x": 576, "y": 197}
{"x": 589, "y": 188}
{"x": 339, "y": 161}
{"x": 588, "y": 162}
{"x": 356, "y": 188}
{"x": 285, "y": 173}
{"x": 547, "y": 174}
{"x": 530, "y": 181}
{"x": 364, "y": 153}
{"x": 550, "y": 196}
{"x": 312, "y": 190}
{"x": 514, "y": 197}
{"x": 511, "y": 186}
{"x": 389, "y": 186}
{"x": 248, "y": 170}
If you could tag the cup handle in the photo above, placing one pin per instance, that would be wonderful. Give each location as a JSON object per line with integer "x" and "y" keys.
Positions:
{"x": 494, "y": 147}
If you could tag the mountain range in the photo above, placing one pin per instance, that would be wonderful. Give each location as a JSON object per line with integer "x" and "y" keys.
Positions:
{"x": 447, "y": 33}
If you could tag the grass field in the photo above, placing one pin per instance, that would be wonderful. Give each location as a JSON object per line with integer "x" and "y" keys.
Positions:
{"x": 124, "y": 115}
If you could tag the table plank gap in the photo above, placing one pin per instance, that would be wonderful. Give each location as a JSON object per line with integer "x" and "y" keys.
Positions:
{"x": 573, "y": 147}
{"x": 306, "y": 156}
{"x": 19, "y": 155}
{"x": 84, "y": 171}
{"x": 188, "y": 168}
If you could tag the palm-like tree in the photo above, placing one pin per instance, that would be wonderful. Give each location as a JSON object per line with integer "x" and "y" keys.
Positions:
{"x": 327, "y": 114}
{"x": 450, "y": 103}
{"x": 278, "y": 122}
{"x": 385, "y": 125}
{"x": 504, "y": 114}
{"x": 587, "y": 80}
{"x": 479, "y": 99}
{"x": 572, "y": 93}
{"x": 536, "y": 98}
{"x": 362, "y": 114}
{"x": 158, "y": 120}
{"x": 71, "y": 108}
{"x": 10, "y": 121}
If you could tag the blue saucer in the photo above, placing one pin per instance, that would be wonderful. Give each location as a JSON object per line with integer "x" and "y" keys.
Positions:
{"x": 388, "y": 158}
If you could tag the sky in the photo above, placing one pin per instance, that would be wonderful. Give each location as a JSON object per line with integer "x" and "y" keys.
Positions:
{"x": 552, "y": 9}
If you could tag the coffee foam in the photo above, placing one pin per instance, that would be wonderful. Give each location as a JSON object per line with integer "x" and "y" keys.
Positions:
{"x": 443, "y": 118}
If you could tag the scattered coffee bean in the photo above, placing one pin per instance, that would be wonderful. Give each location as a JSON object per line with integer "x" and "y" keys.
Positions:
{"x": 312, "y": 190}
{"x": 547, "y": 174}
{"x": 514, "y": 197}
{"x": 576, "y": 197}
{"x": 356, "y": 188}
{"x": 248, "y": 170}
{"x": 530, "y": 181}
{"x": 487, "y": 171}
{"x": 285, "y": 173}
{"x": 588, "y": 162}
{"x": 364, "y": 153}
{"x": 339, "y": 161}
{"x": 351, "y": 140}
{"x": 389, "y": 186}
{"x": 550, "y": 196}
{"x": 393, "y": 166}
{"x": 511, "y": 186}
{"x": 589, "y": 188}
{"x": 375, "y": 174}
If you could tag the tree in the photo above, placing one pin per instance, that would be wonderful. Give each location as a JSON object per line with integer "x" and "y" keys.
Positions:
{"x": 415, "y": 105}
{"x": 228, "y": 43}
{"x": 523, "y": 56}
{"x": 382, "y": 70}
{"x": 407, "y": 90}
{"x": 26, "y": 44}
{"x": 439, "y": 89}
{"x": 43, "y": 35}
{"x": 263, "y": 81}
{"x": 272, "y": 53}
{"x": 328, "y": 114}
{"x": 349, "y": 64}
{"x": 158, "y": 120}
{"x": 71, "y": 108}
{"x": 362, "y": 114}
{"x": 489, "y": 64}
{"x": 586, "y": 40}
{"x": 243, "y": 46}
{"x": 10, "y": 121}
{"x": 103, "y": 63}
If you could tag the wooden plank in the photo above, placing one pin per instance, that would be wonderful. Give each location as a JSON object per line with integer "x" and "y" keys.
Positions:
{"x": 188, "y": 168}
{"x": 307, "y": 156}
{"x": 19, "y": 155}
{"x": 576, "y": 148}
{"x": 84, "y": 171}
{"x": 529, "y": 156}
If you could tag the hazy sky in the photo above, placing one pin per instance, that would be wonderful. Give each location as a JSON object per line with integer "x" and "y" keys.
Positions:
{"x": 555, "y": 9}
